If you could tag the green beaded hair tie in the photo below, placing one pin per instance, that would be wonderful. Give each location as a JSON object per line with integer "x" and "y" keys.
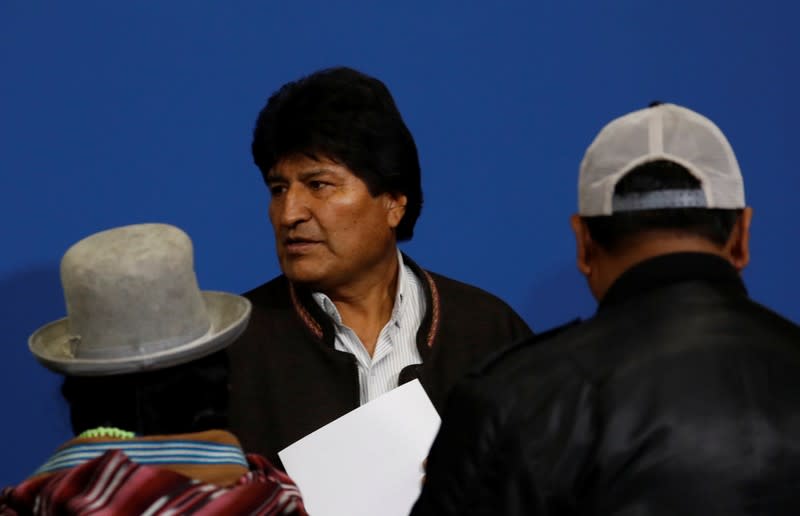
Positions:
{"x": 107, "y": 431}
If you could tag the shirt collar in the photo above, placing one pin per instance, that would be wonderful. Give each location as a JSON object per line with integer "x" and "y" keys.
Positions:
{"x": 330, "y": 308}
{"x": 673, "y": 268}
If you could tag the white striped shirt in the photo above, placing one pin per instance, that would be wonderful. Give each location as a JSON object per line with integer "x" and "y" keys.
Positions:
{"x": 396, "y": 347}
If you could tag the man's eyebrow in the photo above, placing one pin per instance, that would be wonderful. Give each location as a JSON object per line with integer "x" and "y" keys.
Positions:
{"x": 306, "y": 175}
{"x": 313, "y": 173}
{"x": 273, "y": 176}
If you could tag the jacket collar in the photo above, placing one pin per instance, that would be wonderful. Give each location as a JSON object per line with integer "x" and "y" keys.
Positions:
{"x": 320, "y": 324}
{"x": 673, "y": 268}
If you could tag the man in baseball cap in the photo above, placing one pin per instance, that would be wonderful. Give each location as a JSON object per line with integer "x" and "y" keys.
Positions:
{"x": 680, "y": 396}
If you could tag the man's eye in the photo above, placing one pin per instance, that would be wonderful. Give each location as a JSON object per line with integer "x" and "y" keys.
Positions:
{"x": 275, "y": 190}
{"x": 317, "y": 185}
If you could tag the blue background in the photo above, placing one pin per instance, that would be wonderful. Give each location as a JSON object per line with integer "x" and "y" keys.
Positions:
{"x": 121, "y": 112}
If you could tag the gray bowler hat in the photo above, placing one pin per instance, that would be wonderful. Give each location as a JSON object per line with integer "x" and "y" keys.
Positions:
{"x": 133, "y": 304}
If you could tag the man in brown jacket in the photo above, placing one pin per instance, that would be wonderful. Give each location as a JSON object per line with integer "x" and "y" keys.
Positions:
{"x": 351, "y": 317}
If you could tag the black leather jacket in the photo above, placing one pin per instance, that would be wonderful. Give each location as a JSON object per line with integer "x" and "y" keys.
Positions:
{"x": 680, "y": 397}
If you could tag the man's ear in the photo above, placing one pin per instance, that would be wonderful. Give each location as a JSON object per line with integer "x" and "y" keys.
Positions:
{"x": 737, "y": 249}
{"x": 583, "y": 244}
{"x": 395, "y": 208}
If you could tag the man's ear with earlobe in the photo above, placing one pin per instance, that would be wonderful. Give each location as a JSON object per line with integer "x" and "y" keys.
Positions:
{"x": 583, "y": 244}
{"x": 737, "y": 249}
{"x": 395, "y": 208}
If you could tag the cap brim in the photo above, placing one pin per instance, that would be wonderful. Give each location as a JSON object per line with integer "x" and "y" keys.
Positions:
{"x": 228, "y": 316}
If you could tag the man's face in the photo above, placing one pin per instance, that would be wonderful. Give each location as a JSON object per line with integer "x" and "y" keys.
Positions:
{"x": 329, "y": 231}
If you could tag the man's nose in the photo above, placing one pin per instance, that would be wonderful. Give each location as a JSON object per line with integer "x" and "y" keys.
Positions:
{"x": 292, "y": 207}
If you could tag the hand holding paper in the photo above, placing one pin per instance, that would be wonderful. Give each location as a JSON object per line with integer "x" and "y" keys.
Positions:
{"x": 367, "y": 462}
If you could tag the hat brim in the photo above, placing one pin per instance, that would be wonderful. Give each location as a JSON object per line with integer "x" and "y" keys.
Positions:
{"x": 228, "y": 316}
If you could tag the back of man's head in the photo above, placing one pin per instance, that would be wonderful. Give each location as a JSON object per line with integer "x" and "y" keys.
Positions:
{"x": 351, "y": 118}
{"x": 622, "y": 228}
{"x": 657, "y": 181}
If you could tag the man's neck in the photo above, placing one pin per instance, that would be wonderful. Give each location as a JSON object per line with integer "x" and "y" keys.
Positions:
{"x": 365, "y": 306}
{"x": 615, "y": 265}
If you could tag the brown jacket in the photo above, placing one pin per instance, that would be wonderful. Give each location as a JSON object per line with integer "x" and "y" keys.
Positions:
{"x": 287, "y": 380}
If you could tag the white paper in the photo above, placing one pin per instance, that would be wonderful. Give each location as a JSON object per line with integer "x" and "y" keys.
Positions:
{"x": 369, "y": 461}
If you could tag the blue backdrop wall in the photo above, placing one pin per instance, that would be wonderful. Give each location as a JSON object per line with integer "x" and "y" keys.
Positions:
{"x": 121, "y": 112}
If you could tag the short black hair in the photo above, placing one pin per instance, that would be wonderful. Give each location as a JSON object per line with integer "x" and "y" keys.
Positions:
{"x": 613, "y": 231}
{"x": 348, "y": 117}
{"x": 191, "y": 397}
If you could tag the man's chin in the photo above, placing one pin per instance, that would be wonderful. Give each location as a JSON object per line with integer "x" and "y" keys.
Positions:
{"x": 306, "y": 278}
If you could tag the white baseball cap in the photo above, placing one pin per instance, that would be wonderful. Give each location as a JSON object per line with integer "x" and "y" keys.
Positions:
{"x": 660, "y": 132}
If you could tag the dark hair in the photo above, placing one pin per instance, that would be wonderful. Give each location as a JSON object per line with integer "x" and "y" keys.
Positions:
{"x": 190, "y": 397}
{"x": 348, "y": 117}
{"x": 613, "y": 231}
